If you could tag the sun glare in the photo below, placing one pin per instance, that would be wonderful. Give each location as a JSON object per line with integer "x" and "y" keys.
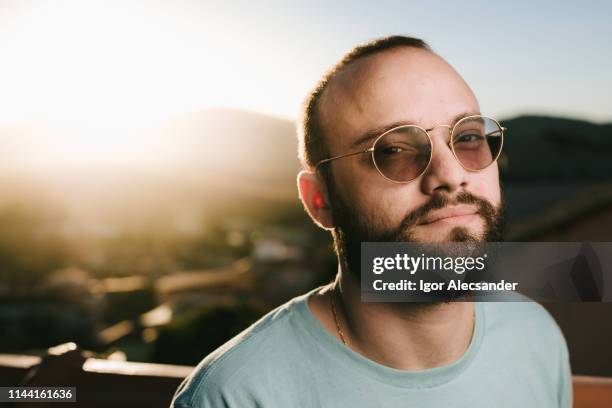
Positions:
{"x": 101, "y": 73}
{"x": 80, "y": 63}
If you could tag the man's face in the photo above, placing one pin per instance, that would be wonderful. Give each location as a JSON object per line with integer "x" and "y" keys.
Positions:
{"x": 410, "y": 86}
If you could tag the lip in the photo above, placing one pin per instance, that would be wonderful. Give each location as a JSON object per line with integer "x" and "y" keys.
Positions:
{"x": 458, "y": 213}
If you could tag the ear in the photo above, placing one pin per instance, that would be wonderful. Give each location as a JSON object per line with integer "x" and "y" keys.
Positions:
{"x": 314, "y": 197}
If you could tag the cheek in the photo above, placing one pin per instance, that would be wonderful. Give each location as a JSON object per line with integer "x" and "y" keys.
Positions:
{"x": 486, "y": 185}
{"x": 356, "y": 179}
{"x": 385, "y": 204}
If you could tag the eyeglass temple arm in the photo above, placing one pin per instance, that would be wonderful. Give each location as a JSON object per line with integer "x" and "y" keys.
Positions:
{"x": 342, "y": 156}
{"x": 503, "y": 129}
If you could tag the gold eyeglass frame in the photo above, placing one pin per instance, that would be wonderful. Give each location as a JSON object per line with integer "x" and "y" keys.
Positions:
{"x": 450, "y": 144}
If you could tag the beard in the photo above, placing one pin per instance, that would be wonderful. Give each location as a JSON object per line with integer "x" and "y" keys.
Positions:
{"x": 351, "y": 230}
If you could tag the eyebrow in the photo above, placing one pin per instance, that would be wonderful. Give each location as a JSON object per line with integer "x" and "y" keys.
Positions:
{"x": 373, "y": 133}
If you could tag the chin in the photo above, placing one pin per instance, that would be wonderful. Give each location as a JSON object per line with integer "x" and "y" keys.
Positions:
{"x": 454, "y": 234}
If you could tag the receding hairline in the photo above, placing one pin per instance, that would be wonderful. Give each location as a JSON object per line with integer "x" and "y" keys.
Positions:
{"x": 310, "y": 132}
{"x": 364, "y": 63}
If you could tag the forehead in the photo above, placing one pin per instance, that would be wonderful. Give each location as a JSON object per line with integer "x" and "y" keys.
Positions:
{"x": 405, "y": 85}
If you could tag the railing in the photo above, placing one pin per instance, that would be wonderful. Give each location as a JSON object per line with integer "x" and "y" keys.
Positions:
{"x": 592, "y": 392}
{"x": 107, "y": 383}
{"x": 99, "y": 383}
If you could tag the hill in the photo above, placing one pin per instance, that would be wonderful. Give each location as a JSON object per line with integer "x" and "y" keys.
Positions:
{"x": 541, "y": 148}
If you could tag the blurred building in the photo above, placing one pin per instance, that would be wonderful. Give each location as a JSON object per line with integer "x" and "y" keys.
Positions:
{"x": 579, "y": 211}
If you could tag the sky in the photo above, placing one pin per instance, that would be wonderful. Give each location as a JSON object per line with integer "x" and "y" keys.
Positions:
{"x": 127, "y": 64}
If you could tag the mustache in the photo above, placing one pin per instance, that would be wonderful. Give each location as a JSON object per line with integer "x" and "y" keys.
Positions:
{"x": 484, "y": 208}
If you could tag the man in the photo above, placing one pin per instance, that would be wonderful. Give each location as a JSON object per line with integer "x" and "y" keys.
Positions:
{"x": 327, "y": 348}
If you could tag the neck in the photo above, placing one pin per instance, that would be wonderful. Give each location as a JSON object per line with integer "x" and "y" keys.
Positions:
{"x": 403, "y": 335}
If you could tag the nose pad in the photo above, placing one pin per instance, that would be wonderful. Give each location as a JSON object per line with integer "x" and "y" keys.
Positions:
{"x": 447, "y": 142}
{"x": 444, "y": 170}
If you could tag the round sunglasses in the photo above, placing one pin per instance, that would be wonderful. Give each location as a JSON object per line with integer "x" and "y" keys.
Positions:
{"x": 403, "y": 153}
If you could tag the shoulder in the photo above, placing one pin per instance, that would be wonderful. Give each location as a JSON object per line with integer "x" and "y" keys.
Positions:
{"x": 528, "y": 323}
{"x": 521, "y": 312}
{"x": 247, "y": 357}
{"x": 528, "y": 336}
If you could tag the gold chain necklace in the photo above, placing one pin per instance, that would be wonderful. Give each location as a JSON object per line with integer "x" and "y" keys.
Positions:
{"x": 341, "y": 335}
{"x": 333, "y": 308}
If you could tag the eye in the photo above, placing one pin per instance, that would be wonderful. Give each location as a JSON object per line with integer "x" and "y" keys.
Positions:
{"x": 392, "y": 150}
{"x": 399, "y": 148}
{"x": 469, "y": 137}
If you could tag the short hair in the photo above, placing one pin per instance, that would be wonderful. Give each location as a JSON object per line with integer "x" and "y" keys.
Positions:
{"x": 312, "y": 145}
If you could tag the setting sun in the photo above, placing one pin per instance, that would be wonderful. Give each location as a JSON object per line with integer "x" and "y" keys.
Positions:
{"x": 90, "y": 79}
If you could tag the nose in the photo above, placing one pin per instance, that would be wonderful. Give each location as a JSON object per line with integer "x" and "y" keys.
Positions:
{"x": 444, "y": 174}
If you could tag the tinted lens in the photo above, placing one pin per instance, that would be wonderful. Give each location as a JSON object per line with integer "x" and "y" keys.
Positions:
{"x": 402, "y": 154}
{"x": 477, "y": 141}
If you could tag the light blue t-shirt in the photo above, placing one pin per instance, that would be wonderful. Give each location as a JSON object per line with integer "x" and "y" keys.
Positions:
{"x": 517, "y": 358}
